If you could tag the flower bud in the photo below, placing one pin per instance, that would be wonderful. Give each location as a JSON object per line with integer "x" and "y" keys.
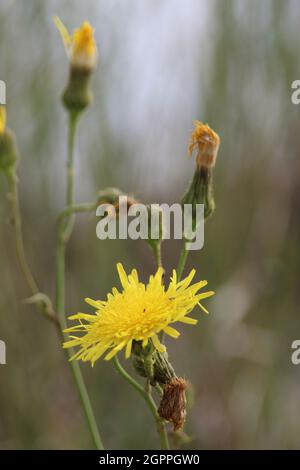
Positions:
{"x": 200, "y": 192}
{"x": 149, "y": 362}
{"x": 112, "y": 196}
{"x": 78, "y": 95}
{"x": 8, "y": 149}
{"x": 155, "y": 366}
{"x": 206, "y": 144}
{"x": 82, "y": 51}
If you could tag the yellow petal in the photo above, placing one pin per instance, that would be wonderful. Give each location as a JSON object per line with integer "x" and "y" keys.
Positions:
{"x": 188, "y": 320}
{"x": 99, "y": 351}
{"x": 159, "y": 274}
{"x": 205, "y": 295}
{"x": 94, "y": 303}
{"x": 114, "y": 351}
{"x": 160, "y": 347}
{"x": 2, "y": 118}
{"x": 67, "y": 40}
{"x": 186, "y": 282}
{"x": 71, "y": 343}
{"x": 122, "y": 275}
{"x": 135, "y": 276}
{"x": 128, "y": 349}
{"x": 171, "y": 332}
{"x": 83, "y": 316}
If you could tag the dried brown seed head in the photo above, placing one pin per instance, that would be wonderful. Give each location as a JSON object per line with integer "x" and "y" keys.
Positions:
{"x": 172, "y": 405}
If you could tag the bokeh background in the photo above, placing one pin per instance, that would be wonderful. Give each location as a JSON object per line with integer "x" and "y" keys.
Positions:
{"x": 162, "y": 64}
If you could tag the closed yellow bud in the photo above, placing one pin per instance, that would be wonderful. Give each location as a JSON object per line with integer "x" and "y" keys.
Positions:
{"x": 81, "y": 46}
{"x": 82, "y": 52}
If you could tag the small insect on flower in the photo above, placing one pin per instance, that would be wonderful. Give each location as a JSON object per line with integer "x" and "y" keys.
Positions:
{"x": 138, "y": 313}
{"x": 81, "y": 46}
{"x": 206, "y": 142}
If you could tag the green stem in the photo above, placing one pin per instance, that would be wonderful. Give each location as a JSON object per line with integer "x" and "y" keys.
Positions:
{"x": 69, "y": 211}
{"x": 64, "y": 230}
{"x": 158, "y": 257}
{"x": 17, "y": 222}
{"x": 157, "y": 254}
{"x": 73, "y": 119}
{"x": 149, "y": 401}
{"x": 44, "y": 303}
{"x": 182, "y": 261}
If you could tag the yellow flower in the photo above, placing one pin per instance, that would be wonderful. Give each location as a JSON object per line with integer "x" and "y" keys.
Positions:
{"x": 2, "y": 119}
{"x": 81, "y": 46}
{"x": 206, "y": 142}
{"x": 137, "y": 313}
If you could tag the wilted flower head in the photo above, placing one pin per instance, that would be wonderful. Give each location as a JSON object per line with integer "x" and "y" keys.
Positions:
{"x": 81, "y": 46}
{"x": 138, "y": 313}
{"x": 206, "y": 142}
{"x": 172, "y": 405}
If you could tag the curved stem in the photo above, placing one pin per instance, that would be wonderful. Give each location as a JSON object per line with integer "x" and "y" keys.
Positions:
{"x": 64, "y": 230}
{"x": 149, "y": 401}
{"x": 43, "y": 302}
{"x": 69, "y": 211}
{"x": 17, "y": 222}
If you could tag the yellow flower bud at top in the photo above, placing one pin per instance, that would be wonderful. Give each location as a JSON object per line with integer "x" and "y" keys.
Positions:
{"x": 206, "y": 142}
{"x": 2, "y": 119}
{"x": 81, "y": 46}
{"x": 84, "y": 50}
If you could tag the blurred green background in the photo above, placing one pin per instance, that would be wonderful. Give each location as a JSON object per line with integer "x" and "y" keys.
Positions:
{"x": 162, "y": 64}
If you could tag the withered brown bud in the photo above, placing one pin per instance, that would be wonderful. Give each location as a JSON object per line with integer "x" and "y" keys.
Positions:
{"x": 125, "y": 204}
{"x": 172, "y": 405}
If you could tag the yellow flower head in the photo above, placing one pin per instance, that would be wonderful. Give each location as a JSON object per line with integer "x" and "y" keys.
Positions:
{"x": 206, "y": 142}
{"x": 2, "y": 119}
{"x": 137, "y": 313}
{"x": 81, "y": 46}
